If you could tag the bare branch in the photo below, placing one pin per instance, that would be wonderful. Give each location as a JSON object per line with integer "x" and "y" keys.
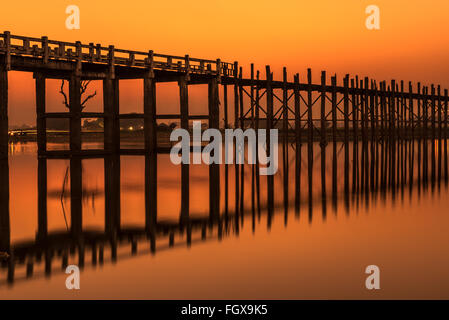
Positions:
{"x": 65, "y": 102}
{"x": 83, "y": 89}
{"x": 84, "y": 85}
{"x": 87, "y": 99}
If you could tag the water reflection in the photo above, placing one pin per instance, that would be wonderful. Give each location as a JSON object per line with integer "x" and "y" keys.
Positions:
{"x": 92, "y": 211}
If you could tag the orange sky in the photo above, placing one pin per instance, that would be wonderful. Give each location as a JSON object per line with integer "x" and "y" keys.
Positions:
{"x": 325, "y": 34}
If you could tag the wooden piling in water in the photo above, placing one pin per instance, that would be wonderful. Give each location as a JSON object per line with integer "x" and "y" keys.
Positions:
{"x": 42, "y": 198}
{"x": 440, "y": 133}
{"x": 76, "y": 192}
{"x": 298, "y": 144}
{"x": 334, "y": 140}
{"x": 185, "y": 179}
{"x": 226, "y": 126}
{"x": 285, "y": 137}
{"x": 75, "y": 113}
{"x": 270, "y": 178}
{"x": 214, "y": 169}
{"x": 346, "y": 128}
{"x": 242, "y": 126}
{"x": 3, "y": 111}
{"x": 5, "y": 231}
{"x": 256, "y": 123}
{"x": 236, "y": 125}
{"x": 40, "y": 113}
{"x": 309, "y": 139}
{"x": 150, "y": 133}
{"x": 323, "y": 133}
{"x": 446, "y": 136}
{"x": 433, "y": 135}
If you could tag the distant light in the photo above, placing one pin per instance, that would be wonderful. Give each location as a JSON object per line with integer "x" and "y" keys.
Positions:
{"x": 131, "y": 128}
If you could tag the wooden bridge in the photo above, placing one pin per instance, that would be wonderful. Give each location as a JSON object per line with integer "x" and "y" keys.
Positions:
{"x": 376, "y": 122}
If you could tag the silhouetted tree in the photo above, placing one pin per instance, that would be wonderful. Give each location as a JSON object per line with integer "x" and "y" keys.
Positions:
{"x": 83, "y": 89}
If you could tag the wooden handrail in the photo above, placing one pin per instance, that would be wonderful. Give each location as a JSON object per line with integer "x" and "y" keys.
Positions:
{"x": 52, "y": 49}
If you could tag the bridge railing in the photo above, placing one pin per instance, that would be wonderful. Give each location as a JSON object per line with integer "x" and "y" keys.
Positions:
{"x": 96, "y": 53}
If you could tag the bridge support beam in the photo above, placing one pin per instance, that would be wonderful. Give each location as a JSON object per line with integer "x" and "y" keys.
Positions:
{"x": 75, "y": 113}
{"x": 150, "y": 132}
{"x": 270, "y": 178}
{"x": 111, "y": 111}
{"x": 214, "y": 169}
{"x": 40, "y": 113}
{"x": 4, "y": 206}
{"x": 4, "y": 168}
{"x": 185, "y": 175}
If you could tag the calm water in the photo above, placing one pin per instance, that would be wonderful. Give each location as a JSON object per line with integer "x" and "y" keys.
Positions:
{"x": 319, "y": 252}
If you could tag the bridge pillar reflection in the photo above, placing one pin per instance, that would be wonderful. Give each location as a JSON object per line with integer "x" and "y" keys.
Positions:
{"x": 76, "y": 202}
{"x": 42, "y": 198}
{"x": 185, "y": 175}
{"x": 5, "y": 232}
{"x": 4, "y": 167}
{"x": 150, "y": 132}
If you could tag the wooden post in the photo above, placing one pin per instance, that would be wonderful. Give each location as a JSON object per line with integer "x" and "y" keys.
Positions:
{"x": 112, "y": 193}
{"x": 425, "y": 136}
{"x": 446, "y": 136}
{"x": 433, "y": 131}
{"x": 242, "y": 126}
{"x": 382, "y": 134}
{"x": 253, "y": 167}
{"x": 354, "y": 136}
{"x": 3, "y": 111}
{"x": 372, "y": 107}
{"x": 257, "y": 114}
{"x": 346, "y": 126}
{"x": 285, "y": 138}
{"x": 420, "y": 131}
{"x": 412, "y": 132}
{"x": 150, "y": 131}
{"x": 5, "y": 232}
{"x": 236, "y": 125}
{"x": 40, "y": 112}
{"x": 111, "y": 111}
{"x": 323, "y": 138}
{"x": 310, "y": 134}
{"x": 214, "y": 169}
{"x": 226, "y": 126}
{"x": 334, "y": 140}
{"x": 270, "y": 178}
{"x": 185, "y": 185}
{"x": 393, "y": 134}
{"x": 4, "y": 167}
{"x": 440, "y": 133}
{"x": 297, "y": 143}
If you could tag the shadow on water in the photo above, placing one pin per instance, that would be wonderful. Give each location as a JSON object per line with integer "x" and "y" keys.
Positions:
{"x": 356, "y": 174}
